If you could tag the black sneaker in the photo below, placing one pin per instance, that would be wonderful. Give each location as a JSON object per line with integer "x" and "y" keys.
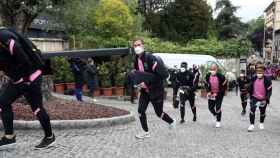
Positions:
{"x": 46, "y": 141}
{"x": 182, "y": 121}
{"x": 5, "y": 141}
{"x": 243, "y": 113}
{"x": 194, "y": 118}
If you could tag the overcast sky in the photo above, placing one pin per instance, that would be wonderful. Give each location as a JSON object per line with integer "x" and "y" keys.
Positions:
{"x": 249, "y": 9}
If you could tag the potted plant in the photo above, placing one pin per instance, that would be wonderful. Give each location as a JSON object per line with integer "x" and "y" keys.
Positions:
{"x": 69, "y": 80}
{"x": 62, "y": 73}
{"x": 119, "y": 90}
{"x": 105, "y": 80}
{"x": 120, "y": 77}
{"x": 96, "y": 92}
{"x": 59, "y": 87}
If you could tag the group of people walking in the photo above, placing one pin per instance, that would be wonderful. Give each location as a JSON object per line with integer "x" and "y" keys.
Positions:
{"x": 21, "y": 62}
{"x": 148, "y": 76}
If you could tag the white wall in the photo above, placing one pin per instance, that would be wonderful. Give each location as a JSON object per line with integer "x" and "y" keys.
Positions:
{"x": 50, "y": 44}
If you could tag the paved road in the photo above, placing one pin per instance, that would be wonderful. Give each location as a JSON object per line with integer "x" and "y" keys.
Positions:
{"x": 195, "y": 140}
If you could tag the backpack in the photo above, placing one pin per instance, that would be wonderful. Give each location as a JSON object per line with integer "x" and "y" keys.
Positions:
{"x": 162, "y": 70}
{"x": 33, "y": 53}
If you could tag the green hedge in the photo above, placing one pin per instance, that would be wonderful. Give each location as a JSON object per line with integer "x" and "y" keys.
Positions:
{"x": 229, "y": 48}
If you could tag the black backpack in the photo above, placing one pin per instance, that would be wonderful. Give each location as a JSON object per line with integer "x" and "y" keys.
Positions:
{"x": 33, "y": 53}
{"x": 162, "y": 70}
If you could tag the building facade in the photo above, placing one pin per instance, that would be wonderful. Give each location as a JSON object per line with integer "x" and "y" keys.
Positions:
{"x": 47, "y": 34}
{"x": 272, "y": 32}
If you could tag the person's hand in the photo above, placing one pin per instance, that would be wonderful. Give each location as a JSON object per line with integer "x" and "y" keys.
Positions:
{"x": 19, "y": 81}
{"x": 142, "y": 85}
{"x": 264, "y": 102}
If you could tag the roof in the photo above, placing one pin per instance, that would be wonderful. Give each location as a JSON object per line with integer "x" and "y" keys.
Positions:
{"x": 269, "y": 7}
{"x": 171, "y": 59}
{"x": 87, "y": 53}
{"x": 47, "y": 21}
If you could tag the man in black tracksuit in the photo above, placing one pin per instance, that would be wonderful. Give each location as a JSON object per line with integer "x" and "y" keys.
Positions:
{"x": 215, "y": 85}
{"x": 175, "y": 86}
{"x": 251, "y": 72}
{"x": 147, "y": 77}
{"x": 25, "y": 79}
{"x": 196, "y": 75}
{"x": 260, "y": 91}
{"x": 186, "y": 90}
{"x": 243, "y": 84}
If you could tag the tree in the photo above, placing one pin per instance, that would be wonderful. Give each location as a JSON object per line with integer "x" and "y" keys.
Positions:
{"x": 184, "y": 20}
{"x": 256, "y": 33}
{"x": 228, "y": 25}
{"x": 256, "y": 25}
{"x": 19, "y": 14}
{"x": 150, "y": 6}
{"x": 112, "y": 18}
{"x": 150, "y": 9}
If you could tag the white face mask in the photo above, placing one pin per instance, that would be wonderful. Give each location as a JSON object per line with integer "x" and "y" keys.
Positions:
{"x": 138, "y": 50}
{"x": 182, "y": 69}
{"x": 259, "y": 75}
{"x": 213, "y": 73}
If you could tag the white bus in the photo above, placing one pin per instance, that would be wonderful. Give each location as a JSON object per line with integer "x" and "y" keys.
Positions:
{"x": 174, "y": 60}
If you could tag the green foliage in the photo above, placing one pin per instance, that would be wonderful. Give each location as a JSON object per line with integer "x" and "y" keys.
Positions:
{"x": 121, "y": 69}
{"x": 90, "y": 42}
{"x": 104, "y": 75}
{"x": 101, "y": 24}
{"x": 256, "y": 25}
{"x": 228, "y": 24}
{"x": 74, "y": 16}
{"x": 181, "y": 20}
{"x": 19, "y": 14}
{"x": 229, "y": 48}
{"x": 112, "y": 18}
{"x": 62, "y": 72}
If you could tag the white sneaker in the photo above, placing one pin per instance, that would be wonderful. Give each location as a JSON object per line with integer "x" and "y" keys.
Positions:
{"x": 143, "y": 135}
{"x": 218, "y": 124}
{"x": 94, "y": 100}
{"x": 172, "y": 125}
{"x": 261, "y": 126}
{"x": 251, "y": 128}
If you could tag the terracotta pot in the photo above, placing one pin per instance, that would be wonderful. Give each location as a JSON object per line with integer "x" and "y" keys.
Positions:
{"x": 85, "y": 88}
{"x": 136, "y": 93}
{"x": 70, "y": 85}
{"x": 119, "y": 91}
{"x": 107, "y": 91}
{"x": 59, "y": 88}
{"x": 114, "y": 90}
{"x": 96, "y": 92}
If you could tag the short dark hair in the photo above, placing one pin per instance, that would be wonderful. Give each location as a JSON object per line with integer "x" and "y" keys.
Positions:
{"x": 138, "y": 39}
